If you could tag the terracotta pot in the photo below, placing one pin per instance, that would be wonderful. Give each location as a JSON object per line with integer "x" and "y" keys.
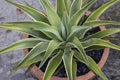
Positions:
{"x": 88, "y": 76}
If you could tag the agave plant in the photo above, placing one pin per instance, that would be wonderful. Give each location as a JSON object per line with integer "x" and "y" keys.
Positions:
{"x": 59, "y": 34}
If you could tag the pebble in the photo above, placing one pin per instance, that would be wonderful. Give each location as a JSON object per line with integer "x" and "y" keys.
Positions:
{"x": 18, "y": 77}
{"x": 1, "y": 70}
{"x": 30, "y": 79}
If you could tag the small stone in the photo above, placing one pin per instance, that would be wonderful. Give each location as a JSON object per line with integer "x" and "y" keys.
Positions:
{"x": 19, "y": 11}
{"x": 2, "y": 18}
{"x": 97, "y": 78}
{"x": 116, "y": 77}
{"x": 18, "y": 77}
{"x": 60, "y": 75}
{"x": 8, "y": 73}
{"x": 30, "y": 79}
{"x": 1, "y": 70}
{"x": 8, "y": 31}
{"x": 107, "y": 74}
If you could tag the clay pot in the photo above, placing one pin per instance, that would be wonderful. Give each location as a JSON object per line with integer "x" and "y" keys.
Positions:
{"x": 88, "y": 76}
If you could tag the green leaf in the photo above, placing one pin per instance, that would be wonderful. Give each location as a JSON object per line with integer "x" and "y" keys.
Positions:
{"x": 93, "y": 24}
{"x": 95, "y": 68}
{"x": 91, "y": 48}
{"x": 53, "y": 45}
{"x": 39, "y": 26}
{"x": 63, "y": 31}
{"x": 25, "y": 29}
{"x": 25, "y": 43}
{"x": 79, "y": 57}
{"x": 67, "y": 4}
{"x": 100, "y": 23}
{"x": 99, "y": 42}
{"x": 76, "y": 31}
{"x": 27, "y": 4}
{"x": 30, "y": 58}
{"x": 61, "y": 9}
{"x": 65, "y": 21}
{"x": 54, "y": 19}
{"x": 78, "y": 15}
{"x": 77, "y": 44}
{"x": 76, "y": 5}
{"x": 74, "y": 69}
{"x": 67, "y": 59}
{"x": 111, "y": 38}
{"x": 81, "y": 33}
{"x": 92, "y": 65}
{"x": 53, "y": 65}
{"x": 29, "y": 63}
{"x": 35, "y": 14}
{"x": 97, "y": 13}
{"x": 35, "y": 59}
{"x": 104, "y": 33}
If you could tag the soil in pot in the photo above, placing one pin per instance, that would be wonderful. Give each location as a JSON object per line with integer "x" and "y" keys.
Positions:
{"x": 81, "y": 68}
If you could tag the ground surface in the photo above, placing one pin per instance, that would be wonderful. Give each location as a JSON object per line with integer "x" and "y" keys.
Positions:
{"x": 7, "y": 61}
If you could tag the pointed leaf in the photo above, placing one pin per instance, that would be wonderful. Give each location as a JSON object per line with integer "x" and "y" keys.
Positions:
{"x": 97, "y": 13}
{"x": 31, "y": 56}
{"x": 61, "y": 9}
{"x": 35, "y": 14}
{"x": 93, "y": 24}
{"x": 104, "y": 33}
{"x": 67, "y": 4}
{"x": 65, "y": 21}
{"x": 53, "y": 45}
{"x": 52, "y": 15}
{"x": 25, "y": 43}
{"x": 77, "y": 44}
{"x": 27, "y": 4}
{"x": 35, "y": 59}
{"x": 29, "y": 63}
{"x": 78, "y": 15}
{"x": 100, "y": 23}
{"x": 63, "y": 31}
{"x": 77, "y": 5}
{"x": 82, "y": 33}
{"x": 111, "y": 38}
{"x": 67, "y": 59}
{"x": 74, "y": 69}
{"x": 99, "y": 42}
{"x": 92, "y": 65}
{"x": 43, "y": 27}
{"x": 95, "y": 48}
{"x": 25, "y": 29}
{"x": 76, "y": 30}
{"x": 95, "y": 68}
{"x": 53, "y": 65}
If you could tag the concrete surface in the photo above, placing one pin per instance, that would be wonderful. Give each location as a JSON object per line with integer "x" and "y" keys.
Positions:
{"x": 7, "y": 61}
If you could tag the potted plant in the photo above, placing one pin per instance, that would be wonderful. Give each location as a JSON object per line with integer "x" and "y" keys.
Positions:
{"x": 62, "y": 37}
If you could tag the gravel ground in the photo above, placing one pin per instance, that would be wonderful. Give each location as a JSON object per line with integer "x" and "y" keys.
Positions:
{"x": 7, "y": 61}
